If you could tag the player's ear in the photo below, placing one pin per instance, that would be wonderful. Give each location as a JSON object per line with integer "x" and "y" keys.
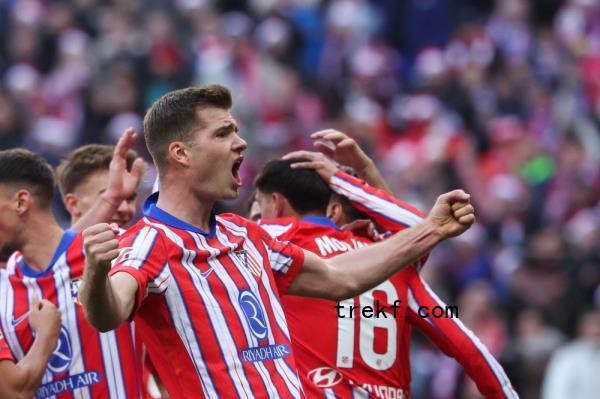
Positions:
{"x": 23, "y": 201}
{"x": 280, "y": 203}
{"x": 179, "y": 153}
{"x": 335, "y": 212}
{"x": 71, "y": 202}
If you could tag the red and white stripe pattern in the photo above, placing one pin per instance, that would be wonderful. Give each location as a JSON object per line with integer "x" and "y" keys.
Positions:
{"x": 210, "y": 300}
{"x": 387, "y": 211}
{"x": 86, "y": 364}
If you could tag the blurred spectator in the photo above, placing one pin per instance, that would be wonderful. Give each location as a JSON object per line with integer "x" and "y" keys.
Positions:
{"x": 500, "y": 97}
{"x": 535, "y": 341}
{"x": 573, "y": 370}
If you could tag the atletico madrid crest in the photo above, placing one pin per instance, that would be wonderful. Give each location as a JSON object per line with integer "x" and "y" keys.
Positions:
{"x": 249, "y": 262}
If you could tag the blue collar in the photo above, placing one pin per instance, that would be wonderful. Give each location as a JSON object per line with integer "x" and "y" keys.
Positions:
{"x": 63, "y": 245}
{"x": 320, "y": 220}
{"x": 153, "y": 211}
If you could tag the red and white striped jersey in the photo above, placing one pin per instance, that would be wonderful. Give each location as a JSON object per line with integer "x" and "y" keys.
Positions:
{"x": 85, "y": 363}
{"x": 5, "y": 353}
{"x": 367, "y": 355}
{"x": 208, "y": 305}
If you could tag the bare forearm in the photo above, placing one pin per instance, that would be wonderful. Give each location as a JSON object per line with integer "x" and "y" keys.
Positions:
{"x": 101, "y": 305}
{"x": 352, "y": 273}
{"x": 23, "y": 379}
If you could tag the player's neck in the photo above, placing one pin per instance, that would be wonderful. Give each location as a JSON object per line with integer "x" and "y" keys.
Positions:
{"x": 41, "y": 238}
{"x": 186, "y": 207}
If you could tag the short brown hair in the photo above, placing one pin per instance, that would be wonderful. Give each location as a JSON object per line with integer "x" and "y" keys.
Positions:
{"x": 83, "y": 161}
{"x": 21, "y": 167}
{"x": 175, "y": 115}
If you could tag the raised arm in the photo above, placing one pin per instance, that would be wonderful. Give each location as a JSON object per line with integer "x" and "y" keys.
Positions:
{"x": 107, "y": 300}
{"x": 388, "y": 212}
{"x": 22, "y": 379}
{"x": 122, "y": 184}
{"x": 345, "y": 150}
{"x": 352, "y": 273}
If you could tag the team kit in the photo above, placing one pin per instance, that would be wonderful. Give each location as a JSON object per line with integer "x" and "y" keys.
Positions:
{"x": 312, "y": 293}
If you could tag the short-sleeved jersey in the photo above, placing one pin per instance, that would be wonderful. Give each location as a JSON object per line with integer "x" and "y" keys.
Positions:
{"x": 208, "y": 304}
{"x": 85, "y": 363}
{"x": 5, "y": 353}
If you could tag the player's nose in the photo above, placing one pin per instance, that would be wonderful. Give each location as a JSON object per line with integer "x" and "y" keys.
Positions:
{"x": 240, "y": 144}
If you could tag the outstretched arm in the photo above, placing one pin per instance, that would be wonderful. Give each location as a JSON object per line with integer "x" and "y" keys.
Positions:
{"x": 122, "y": 184}
{"x": 352, "y": 273}
{"x": 107, "y": 300}
{"x": 21, "y": 380}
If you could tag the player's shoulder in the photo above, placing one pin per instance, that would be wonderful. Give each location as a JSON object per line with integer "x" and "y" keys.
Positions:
{"x": 253, "y": 230}
{"x": 143, "y": 226}
{"x": 233, "y": 218}
{"x": 231, "y": 221}
{"x": 279, "y": 227}
{"x": 11, "y": 263}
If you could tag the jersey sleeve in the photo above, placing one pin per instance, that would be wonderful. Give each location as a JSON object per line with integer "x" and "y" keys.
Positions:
{"x": 143, "y": 255}
{"x": 5, "y": 353}
{"x": 285, "y": 260}
{"x": 388, "y": 212}
{"x": 453, "y": 338}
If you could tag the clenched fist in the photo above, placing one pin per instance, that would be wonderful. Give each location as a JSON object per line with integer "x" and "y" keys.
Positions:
{"x": 101, "y": 246}
{"x": 452, "y": 214}
{"x": 44, "y": 319}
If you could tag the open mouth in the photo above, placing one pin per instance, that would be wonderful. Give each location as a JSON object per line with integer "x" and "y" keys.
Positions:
{"x": 235, "y": 170}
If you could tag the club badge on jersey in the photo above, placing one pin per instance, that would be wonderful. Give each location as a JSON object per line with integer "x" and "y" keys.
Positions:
{"x": 249, "y": 262}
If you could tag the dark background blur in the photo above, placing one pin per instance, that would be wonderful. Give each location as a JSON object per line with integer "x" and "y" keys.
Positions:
{"x": 501, "y": 98}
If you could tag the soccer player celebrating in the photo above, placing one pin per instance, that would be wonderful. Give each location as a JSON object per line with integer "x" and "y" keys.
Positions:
{"x": 21, "y": 379}
{"x": 362, "y": 344}
{"x": 49, "y": 264}
{"x": 205, "y": 288}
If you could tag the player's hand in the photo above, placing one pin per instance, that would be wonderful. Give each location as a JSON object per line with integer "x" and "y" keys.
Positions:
{"x": 101, "y": 247}
{"x": 313, "y": 160}
{"x": 452, "y": 214}
{"x": 122, "y": 183}
{"x": 365, "y": 228}
{"x": 342, "y": 149}
{"x": 44, "y": 318}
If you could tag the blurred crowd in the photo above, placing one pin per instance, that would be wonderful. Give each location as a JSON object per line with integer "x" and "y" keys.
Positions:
{"x": 500, "y": 98}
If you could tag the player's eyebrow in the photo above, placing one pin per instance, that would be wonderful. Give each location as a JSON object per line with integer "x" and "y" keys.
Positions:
{"x": 227, "y": 127}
